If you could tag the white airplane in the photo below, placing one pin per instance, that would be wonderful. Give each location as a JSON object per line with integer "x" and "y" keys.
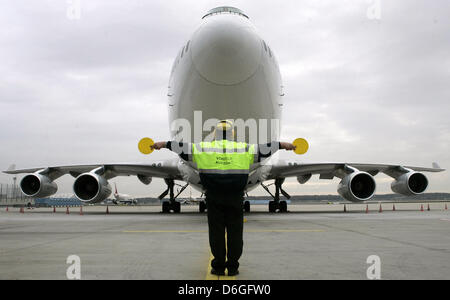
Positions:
{"x": 122, "y": 198}
{"x": 225, "y": 71}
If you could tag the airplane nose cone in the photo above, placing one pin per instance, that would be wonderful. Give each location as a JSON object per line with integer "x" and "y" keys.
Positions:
{"x": 226, "y": 51}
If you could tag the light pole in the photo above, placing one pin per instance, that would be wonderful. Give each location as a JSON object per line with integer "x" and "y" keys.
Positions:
{"x": 14, "y": 188}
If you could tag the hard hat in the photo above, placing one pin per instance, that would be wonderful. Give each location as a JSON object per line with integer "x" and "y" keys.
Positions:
{"x": 224, "y": 125}
{"x": 224, "y": 130}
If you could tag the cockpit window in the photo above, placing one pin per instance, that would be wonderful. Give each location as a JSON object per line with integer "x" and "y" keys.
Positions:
{"x": 225, "y": 9}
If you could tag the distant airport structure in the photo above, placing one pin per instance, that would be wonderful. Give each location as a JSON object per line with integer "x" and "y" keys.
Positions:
{"x": 10, "y": 194}
{"x": 56, "y": 202}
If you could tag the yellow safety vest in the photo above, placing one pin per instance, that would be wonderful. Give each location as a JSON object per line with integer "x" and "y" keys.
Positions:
{"x": 223, "y": 157}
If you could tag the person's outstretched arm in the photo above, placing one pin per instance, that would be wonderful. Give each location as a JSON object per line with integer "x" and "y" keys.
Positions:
{"x": 180, "y": 148}
{"x": 159, "y": 145}
{"x": 267, "y": 150}
{"x": 287, "y": 146}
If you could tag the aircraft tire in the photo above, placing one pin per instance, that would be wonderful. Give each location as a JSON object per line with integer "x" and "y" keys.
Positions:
{"x": 247, "y": 206}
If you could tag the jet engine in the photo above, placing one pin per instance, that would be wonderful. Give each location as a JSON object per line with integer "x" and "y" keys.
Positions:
{"x": 91, "y": 188}
{"x": 37, "y": 185}
{"x": 357, "y": 186}
{"x": 302, "y": 179}
{"x": 409, "y": 184}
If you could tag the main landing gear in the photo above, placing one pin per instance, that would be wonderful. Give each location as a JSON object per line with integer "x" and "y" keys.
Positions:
{"x": 172, "y": 204}
{"x": 277, "y": 205}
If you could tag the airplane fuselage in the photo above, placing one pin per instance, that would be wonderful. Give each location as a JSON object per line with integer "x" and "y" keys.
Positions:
{"x": 225, "y": 71}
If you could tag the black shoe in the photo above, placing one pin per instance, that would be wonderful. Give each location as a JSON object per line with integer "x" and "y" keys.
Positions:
{"x": 217, "y": 272}
{"x": 233, "y": 272}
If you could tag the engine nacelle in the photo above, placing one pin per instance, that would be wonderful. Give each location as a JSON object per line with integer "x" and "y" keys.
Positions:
{"x": 91, "y": 188}
{"x": 302, "y": 179}
{"x": 38, "y": 185}
{"x": 357, "y": 186}
{"x": 144, "y": 179}
{"x": 409, "y": 184}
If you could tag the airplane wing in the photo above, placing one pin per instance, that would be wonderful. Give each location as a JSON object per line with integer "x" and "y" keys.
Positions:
{"x": 164, "y": 169}
{"x": 91, "y": 184}
{"x": 331, "y": 170}
{"x": 357, "y": 182}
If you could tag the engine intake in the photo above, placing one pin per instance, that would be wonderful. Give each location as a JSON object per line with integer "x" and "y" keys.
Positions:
{"x": 91, "y": 188}
{"x": 409, "y": 184}
{"x": 357, "y": 186}
{"x": 38, "y": 185}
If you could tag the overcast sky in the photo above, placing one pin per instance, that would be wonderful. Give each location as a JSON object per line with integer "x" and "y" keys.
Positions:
{"x": 365, "y": 81}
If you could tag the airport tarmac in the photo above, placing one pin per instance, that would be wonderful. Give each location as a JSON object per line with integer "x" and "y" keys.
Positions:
{"x": 318, "y": 241}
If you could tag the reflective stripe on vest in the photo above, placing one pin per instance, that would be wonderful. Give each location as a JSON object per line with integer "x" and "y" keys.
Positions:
{"x": 223, "y": 157}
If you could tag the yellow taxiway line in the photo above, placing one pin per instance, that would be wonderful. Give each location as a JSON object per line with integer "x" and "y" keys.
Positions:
{"x": 210, "y": 276}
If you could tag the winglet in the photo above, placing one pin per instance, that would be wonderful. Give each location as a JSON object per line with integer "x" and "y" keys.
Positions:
{"x": 11, "y": 167}
{"x": 436, "y": 165}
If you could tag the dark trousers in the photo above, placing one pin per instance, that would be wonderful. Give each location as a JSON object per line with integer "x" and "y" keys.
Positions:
{"x": 225, "y": 213}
